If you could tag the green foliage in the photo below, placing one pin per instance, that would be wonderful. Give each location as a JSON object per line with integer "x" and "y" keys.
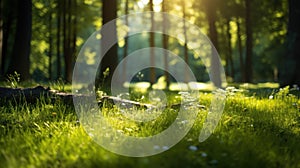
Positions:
{"x": 269, "y": 31}
{"x": 106, "y": 73}
{"x": 13, "y": 80}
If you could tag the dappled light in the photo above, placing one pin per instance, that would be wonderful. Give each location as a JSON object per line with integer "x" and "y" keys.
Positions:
{"x": 149, "y": 83}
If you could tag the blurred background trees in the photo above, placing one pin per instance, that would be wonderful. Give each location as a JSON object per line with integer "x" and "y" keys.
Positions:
{"x": 257, "y": 40}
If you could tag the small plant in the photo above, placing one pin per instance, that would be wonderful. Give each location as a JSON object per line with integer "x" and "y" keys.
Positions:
{"x": 105, "y": 75}
{"x": 14, "y": 79}
{"x": 282, "y": 93}
{"x": 232, "y": 91}
{"x": 140, "y": 76}
{"x": 59, "y": 85}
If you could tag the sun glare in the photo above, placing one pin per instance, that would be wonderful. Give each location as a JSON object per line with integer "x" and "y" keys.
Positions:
{"x": 157, "y": 8}
{"x": 145, "y": 2}
{"x": 157, "y": 2}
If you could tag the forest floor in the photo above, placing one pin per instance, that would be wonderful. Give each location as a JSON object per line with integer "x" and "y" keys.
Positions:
{"x": 258, "y": 128}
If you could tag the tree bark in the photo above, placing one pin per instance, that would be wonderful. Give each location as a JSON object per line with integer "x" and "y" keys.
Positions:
{"x": 58, "y": 40}
{"x": 249, "y": 43}
{"x": 214, "y": 67}
{"x": 240, "y": 49}
{"x": 289, "y": 74}
{"x": 67, "y": 39}
{"x": 21, "y": 48}
{"x": 33, "y": 95}
{"x": 165, "y": 42}
{"x": 1, "y": 38}
{"x": 74, "y": 33}
{"x": 230, "y": 59}
{"x": 125, "y": 52}
{"x": 50, "y": 41}
{"x": 152, "y": 44}
{"x": 110, "y": 59}
{"x": 185, "y": 49}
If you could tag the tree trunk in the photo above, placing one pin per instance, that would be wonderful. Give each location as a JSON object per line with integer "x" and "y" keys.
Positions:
{"x": 74, "y": 33}
{"x": 67, "y": 39}
{"x": 230, "y": 59}
{"x": 50, "y": 42}
{"x": 226, "y": 54}
{"x": 58, "y": 39}
{"x": 21, "y": 47}
{"x": 165, "y": 43}
{"x": 125, "y": 52}
{"x": 289, "y": 74}
{"x": 7, "y": 32}
{"x": 215, "y": 64}
{"x": 151, "y": 43}
{"x": 240, "y": 48}
{"x": 1, "y": 38}
{"x": 249, "y": 43}
{"x": 185, "y": 49}
{"x": 211, "y": 16}
{"x": 110, "y": 59}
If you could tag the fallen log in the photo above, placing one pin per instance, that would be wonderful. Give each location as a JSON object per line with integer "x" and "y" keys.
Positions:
{"x": 33, "y": 95}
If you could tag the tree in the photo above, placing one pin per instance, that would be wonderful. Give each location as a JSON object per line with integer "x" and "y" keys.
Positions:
{"x": 58, "y": 39}
{"x": 125, "y": 52}
{"x": 214, "y": 67}
{"x": 165, "y": 42}
{"x": 229, "y": 59}
{"x": 21, "y": 48}
{"x": 67, "y": 39}
{"x": 289, "y": 73}
{"x": 211, "y": 14}
{"x": 50, "y": 40}
{"x": 1, "y": 36}
{"x": 110, "y": 59}
{"x": 249, "y": 42}
{"x": 151, "y": 43}
{"x": 240, "y": 49}
{"x": 185, "y": 49}
{"x": 228, "y": 10}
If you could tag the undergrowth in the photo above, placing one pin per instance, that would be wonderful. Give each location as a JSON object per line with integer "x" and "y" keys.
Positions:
{"x": 256, "y": 130}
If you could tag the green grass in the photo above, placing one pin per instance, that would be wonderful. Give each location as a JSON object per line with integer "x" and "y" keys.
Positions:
{"x": 259, "y": 128}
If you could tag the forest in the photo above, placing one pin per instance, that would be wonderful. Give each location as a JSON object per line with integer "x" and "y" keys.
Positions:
{"x": 257, "y": 41}
{"x": 149, "y": 83}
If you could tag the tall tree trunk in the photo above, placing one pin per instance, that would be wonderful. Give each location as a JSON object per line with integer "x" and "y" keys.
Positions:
{"x": 64, "y": 31}
{"x": 7, "y": 34}
{"x": 211, "y": 16}
{"x": 215, "y": 64}
{"x": 185, "y": 49}
{"x": 110, "y": 59}
{"x": 151, "y": 43}
{"x": 50, "y": 42}
{"x": 230, "y": 59}
{"x": 21, "y": 48}
{"x": 67, "y": 41}
{"x": 58, "y": 39}
{"x": 1, "y": 38}
{"x": 74, "y": 33}
{"x": 289, "y": 73}
{"x": 165, "y": 43}
{"x": 227, "y": 65}
{"x": 249, "y": 43}
{"x": 240, "y": 49}
{"x": 125, "y": 52}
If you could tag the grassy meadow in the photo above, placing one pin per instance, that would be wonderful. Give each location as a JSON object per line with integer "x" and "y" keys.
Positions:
{"x": 260, "y": 127}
